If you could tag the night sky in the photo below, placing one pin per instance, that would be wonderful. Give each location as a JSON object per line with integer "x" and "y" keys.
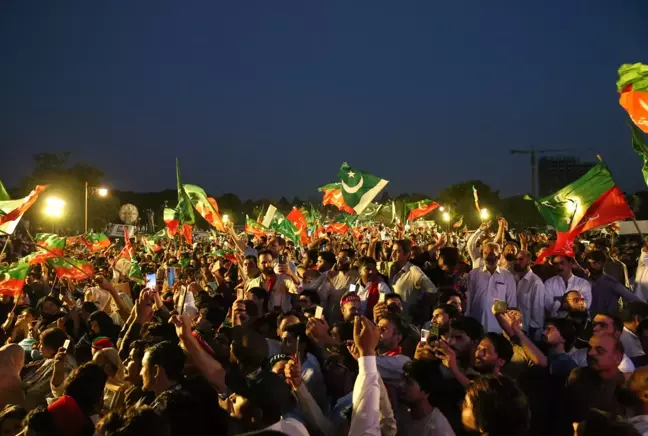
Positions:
{"x": 268, "y": 98}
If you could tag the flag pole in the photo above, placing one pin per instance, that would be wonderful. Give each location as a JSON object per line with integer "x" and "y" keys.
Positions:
{"x": 634, "y": 220}
{"x": 5, "y": 244}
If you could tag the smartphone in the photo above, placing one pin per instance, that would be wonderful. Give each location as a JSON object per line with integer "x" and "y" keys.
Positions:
{"x": 319, "y": 311}
{"x": 381, "y": 297}
{"x": 282, "y": 259}
{"x": 434, "y": 332}
{"x": 66, "y": 344}
{"x": 171, "y": 277}
{"x": 240, "y": 294}
{"x": 500, "y": 306}
{"x": 151, "y": 281}
{"x": 352, "y": 288}
{"x": 425, "y": 334}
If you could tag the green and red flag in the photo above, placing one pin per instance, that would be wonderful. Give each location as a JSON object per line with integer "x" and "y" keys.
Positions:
{"x": 206, "y": 206}
{"x": 592, "y": 201}
{"x": 639, "y": 145}
{"x": 299, "y": 221}
{"x": 96, "y": 241}
{"x": 341, "y": 224}
{"x": 282, "y": 225}
{"x": 633, "y": 87}
{"x": 459, "y": 223}
{"x": 420, "y": 209}
{"x": 54, "y": 245}
{"x": 333, "y": 195}
{"x": 184, "y": 209}
{"x": 151, "y": 243}
{"x": 254, "y": 228}
{"x": 476, "y": 198}
{"x": 127, "y": 252}
{"x": 12, "y": 210}
{"x": 359, "y": 188}
{"x": 227, "y": 254}
{"x": 12, "y": 277}
{"x": 69, "y": 268}
{"x": 187, "y": 231}
{"x": 171, "y": 221}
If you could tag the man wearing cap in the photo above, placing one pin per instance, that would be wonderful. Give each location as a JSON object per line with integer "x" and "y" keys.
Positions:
{"x": 279, "y": 286}
{"x": 350, "y": 306}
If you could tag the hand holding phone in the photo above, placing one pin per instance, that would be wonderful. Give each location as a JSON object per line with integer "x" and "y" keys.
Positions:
{"x": 499, "y": 307}
{"x": 66, "y": 345}
{"x": 381, "y": 297}
{"x": 319, "y": 312}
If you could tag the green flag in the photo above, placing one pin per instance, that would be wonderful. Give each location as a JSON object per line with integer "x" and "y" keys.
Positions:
{"x": 184, "y": 208}
{"x": 12, "y": 277}
{"x": 639, "y": 145}
{"x": 4, "y": 196}
{"x": 359, "y": 188}
{"x": 282, "y": 225}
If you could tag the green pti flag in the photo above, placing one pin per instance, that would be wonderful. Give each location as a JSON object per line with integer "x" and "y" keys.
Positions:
{"x": 419, "y": 209}
{"x": 206, "y": 206}
{"x": 281, "y": 225}
{"x": 184, "y": 208}
{"x": 170, "y": 217}
{"x": 4, "y": 195}
{"x": 12, "y": 277}
{"x": 254, "y": 228}
{"x": 96, "y": 241}
{"x": 359, "y": 188}
{"x": 52, "y": 242}
{"x": 70, "y": 268}
{"x": 639, "y": 145}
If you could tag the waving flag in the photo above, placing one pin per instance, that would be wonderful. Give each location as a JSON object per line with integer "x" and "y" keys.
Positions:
{"x": 12, "y": 210}
{"x": 639, "y": 145}
{"x": 206, "y": 206}
{"x": 12, "y": 278}
{"x": 4, "y": 195}
{"x": 459, "y": 223}
{"x": 359, "y": 188}
{"x": 254, "y": 228}
{"x": 592, "y": 201}
{"x": 171, "y": 221}
{"x": 299, "y": 221}
{"x": 96, "y": 241}
{"x": 184, "y": 209}
{"x": 54, "y": 244}
{"x": 68, "y": 268}
{"x": 420, "y": 209}
{"x": 341, "y": 224}
{"x": 333, "y": 195}
{"x": 633, "y": 87}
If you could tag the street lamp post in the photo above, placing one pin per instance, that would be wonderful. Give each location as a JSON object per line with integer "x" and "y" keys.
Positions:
{"x": 101, "y": 192}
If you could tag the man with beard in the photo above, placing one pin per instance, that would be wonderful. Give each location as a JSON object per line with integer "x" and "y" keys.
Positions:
{"x": 389, "y": 357}
{"x": 441, "y": 317}
{"x": 597, "y": 385}
{"x": 487, "y": 284}
{"x": 573, "y": 308}
{"x": 350, "y": 306}
{"x": 341, "y": 278}
{"x": 279, "y": 286}
{"x": 370, "y": 285}
{"x": 606, "y": 291}
{"x": 565, "y": 281}
{"x": 531, "y": 295}
{"x": 277, "y": 246}
{"x": 509, "y": 255}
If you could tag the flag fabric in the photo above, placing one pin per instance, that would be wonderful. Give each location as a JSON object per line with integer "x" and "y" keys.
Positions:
{"x": 633, "y": 87}
{"x": 74, "y": 269}
{"x": 359, "y": 188}
{"x": 333, "y": 195}
{"x": 206, "y": 206}
{"x": 592, "y": 201}
{"x": 187, "y": 231}
{"x": 393, "y": 207}
{"x": 4, "y": 195}
{"x": 281, "y": 225}
{"x": 269, "y": 216}
{"x": 227, "y": 254}
{"x": 420, "y": 209}
{"x": 171, "y": 221}
{"x": 12, "y": 277}
{"x": 54, "y": 243}
{"x": 254, "y": 228}
{"x": 476, "y": 198}
{"x": 301, "y": 226}
{"x": 459, "y": 223}
{"x": 313, "y": 218}
{"x": 96, "y": 241}
{"x": 127, "y": 252}
{"x": 12, "y": 210}
{"x": 640, "y": 147}
{"x": 184, "y": 209}
{"x": 151, "y": 243}
{"x": 341, "y": 224}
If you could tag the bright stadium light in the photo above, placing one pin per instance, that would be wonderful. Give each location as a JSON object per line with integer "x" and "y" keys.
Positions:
{"x": 442, "y": 208}
{"x": 446, "y": 216}
{"x": 225, "y": 218}
{"x": 102, "y": 192}
{"x": 484, "y": 214}
{"x": 54, "y": 207}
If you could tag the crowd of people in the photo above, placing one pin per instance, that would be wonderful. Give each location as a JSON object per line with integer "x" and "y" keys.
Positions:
{"x": 390, "y": 331}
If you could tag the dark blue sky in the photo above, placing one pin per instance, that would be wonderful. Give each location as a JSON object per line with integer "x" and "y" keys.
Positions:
{"x": 265, "y": 98}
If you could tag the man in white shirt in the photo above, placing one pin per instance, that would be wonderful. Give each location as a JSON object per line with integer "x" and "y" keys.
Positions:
{"x": 530, "y": 295}
{"x": 487, "y": 284}
{"x": 565, "y": 281}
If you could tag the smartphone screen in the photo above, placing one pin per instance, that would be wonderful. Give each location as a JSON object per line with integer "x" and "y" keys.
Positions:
{"x": 66, "y": 344}
{"x": 150, "y": 281}
{"x": 319, "y": 311}
{"x": 434, "y": 332}
{"x": 381, "y": 297}
{"x": 282, "y": 259}
{"x": 170, "y": 276}
{"x": 425, "y": 334}
{"x": 352, "y": 288}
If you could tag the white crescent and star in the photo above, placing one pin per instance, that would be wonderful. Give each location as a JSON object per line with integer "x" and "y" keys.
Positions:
{"x": 353, "y": 189}
{"x": 5, "y": 278}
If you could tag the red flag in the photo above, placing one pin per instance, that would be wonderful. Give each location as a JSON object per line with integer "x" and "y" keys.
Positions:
{"x": 187, "y": 232}
{"x": 340, "y": 228}
{"x": 127, "y": 251}
{"x": 299, "y": 220}
{"x": 333, "y": 195}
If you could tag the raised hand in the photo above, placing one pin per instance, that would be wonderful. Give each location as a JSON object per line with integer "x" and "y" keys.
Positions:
{"x": 365, "y": 335}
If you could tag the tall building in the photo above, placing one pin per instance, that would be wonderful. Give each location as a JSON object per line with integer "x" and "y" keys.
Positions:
{"x": 556, "y": 172}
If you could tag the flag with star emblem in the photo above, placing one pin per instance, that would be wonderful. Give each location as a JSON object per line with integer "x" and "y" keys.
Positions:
{"x": 333, "y": 195}
{"x": 359, "y": 188}
{"x": 299, "y": 221}
{"x": 420, "y": 209}
{"x": 592, "y": 201}
{"x": 633, "y": 89}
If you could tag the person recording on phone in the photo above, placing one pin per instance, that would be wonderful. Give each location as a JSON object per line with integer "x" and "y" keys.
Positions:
{"x": 279, "y": 286}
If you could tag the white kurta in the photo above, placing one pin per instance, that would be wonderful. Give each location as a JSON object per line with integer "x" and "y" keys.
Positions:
{"x": 483, "y": 289}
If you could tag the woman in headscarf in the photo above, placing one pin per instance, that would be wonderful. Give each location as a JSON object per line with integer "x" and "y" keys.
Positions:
{"x": 12, "y": 359}
{"x": 100, "y": 324}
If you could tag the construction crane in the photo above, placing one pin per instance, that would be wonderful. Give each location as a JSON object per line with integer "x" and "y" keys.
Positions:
{"x": 534, "y": 162}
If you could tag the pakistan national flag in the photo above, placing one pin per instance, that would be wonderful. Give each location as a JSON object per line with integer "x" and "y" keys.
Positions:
{"x": 359, "y": 188}
{"x": 282, "y": 225}
{"x": 592, "y": 201}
